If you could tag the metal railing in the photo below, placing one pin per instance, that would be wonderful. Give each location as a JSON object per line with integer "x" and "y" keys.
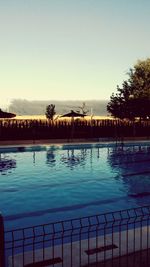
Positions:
{"x": 120, "y": 238}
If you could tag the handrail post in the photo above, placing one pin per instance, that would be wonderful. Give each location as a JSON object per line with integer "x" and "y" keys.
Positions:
{"x": 2, "y": 242}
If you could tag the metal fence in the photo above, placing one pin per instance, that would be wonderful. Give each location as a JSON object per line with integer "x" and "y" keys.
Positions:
{"x": 118, "y": 238}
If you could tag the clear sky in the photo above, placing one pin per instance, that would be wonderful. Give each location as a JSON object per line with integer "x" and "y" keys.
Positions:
{"x": 69, "y": 49}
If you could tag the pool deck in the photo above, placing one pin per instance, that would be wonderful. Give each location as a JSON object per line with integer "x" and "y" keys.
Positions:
{"x": 75, "y": 254}
{"x": 69, "y": 141}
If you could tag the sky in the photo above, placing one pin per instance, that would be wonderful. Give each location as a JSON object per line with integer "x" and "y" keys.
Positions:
{"x": 69, "y": 49}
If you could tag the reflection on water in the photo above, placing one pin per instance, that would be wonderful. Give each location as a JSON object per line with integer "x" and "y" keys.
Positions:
{"x": 50, "y": 158}
{"x": 33, "y": 157}
{"x": 126, "y": 158}
{"x": 6, "y": 164}
{"x": 72, "y": 159}
{"x": 65, "y": 183}
{"x": 132, "y": 164}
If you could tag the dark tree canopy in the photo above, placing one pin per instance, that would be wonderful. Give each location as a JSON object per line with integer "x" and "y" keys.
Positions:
{"x": 133, "y": 98}
{"x": 50, "y": 111}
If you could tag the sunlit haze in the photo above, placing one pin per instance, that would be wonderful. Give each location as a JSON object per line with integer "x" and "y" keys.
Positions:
{"x": 69, "y": 49}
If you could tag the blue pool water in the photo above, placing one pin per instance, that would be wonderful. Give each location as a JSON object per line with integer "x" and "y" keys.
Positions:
{"x": 44, "y": 184}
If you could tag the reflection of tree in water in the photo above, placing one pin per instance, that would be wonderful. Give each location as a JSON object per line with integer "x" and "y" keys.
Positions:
{"x": 6, "y": 164}
{"x": 73, "y": 159}
{"x": 132, "y": 165}
{"x": 121, "y": 156}
{"x": 50, "y": 158}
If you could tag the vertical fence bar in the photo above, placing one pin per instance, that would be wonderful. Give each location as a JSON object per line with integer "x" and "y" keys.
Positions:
{"x": 147, "y": 247}
{"x": 80, "y": 238}
{"x": 2, "y": 242}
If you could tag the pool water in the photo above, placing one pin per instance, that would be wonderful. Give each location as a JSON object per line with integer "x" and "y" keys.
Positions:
{"x": 56, "y": 184}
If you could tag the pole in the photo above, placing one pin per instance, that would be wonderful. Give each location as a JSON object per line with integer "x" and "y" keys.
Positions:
{"x": 2, "y": 242}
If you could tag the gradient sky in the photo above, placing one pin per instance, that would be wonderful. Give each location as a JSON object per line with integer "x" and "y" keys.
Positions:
{"x": 69, "y": 49}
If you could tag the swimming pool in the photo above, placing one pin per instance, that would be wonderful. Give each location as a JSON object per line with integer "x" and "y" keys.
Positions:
{"x": 48, "y": 183}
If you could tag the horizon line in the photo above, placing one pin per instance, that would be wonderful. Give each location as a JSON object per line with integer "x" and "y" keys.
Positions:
{"x": 25, "y": 99}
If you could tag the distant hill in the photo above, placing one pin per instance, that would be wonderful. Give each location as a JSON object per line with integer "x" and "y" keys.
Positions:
{"x": 25, "y": 107}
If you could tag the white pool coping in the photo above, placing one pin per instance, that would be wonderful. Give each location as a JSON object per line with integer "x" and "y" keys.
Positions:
{"x": 67, "y": 146}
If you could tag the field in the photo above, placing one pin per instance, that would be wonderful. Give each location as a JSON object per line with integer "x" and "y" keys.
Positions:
{"x": 58, "y": 117}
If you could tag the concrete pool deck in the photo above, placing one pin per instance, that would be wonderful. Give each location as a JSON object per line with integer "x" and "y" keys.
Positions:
{"x": 70, "y": 141}
{"x": 56, "y": 144}
{"x": 75, "y": 254}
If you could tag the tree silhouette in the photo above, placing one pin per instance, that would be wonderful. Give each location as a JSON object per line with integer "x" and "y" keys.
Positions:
{"x": 83, "y": 108}
{"x": 133, "y": 98}
{"x": 50, "y": 111}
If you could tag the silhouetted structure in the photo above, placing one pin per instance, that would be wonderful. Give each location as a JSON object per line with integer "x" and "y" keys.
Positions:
{"x": 6, "y": 114}
{"x": 73, "y": 114}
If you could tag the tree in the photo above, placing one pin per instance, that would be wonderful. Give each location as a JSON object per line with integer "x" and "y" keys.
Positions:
{"x": 83, "y": 109}
{"x": 50, "y": 111}
{"x": 133, "y": 98}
